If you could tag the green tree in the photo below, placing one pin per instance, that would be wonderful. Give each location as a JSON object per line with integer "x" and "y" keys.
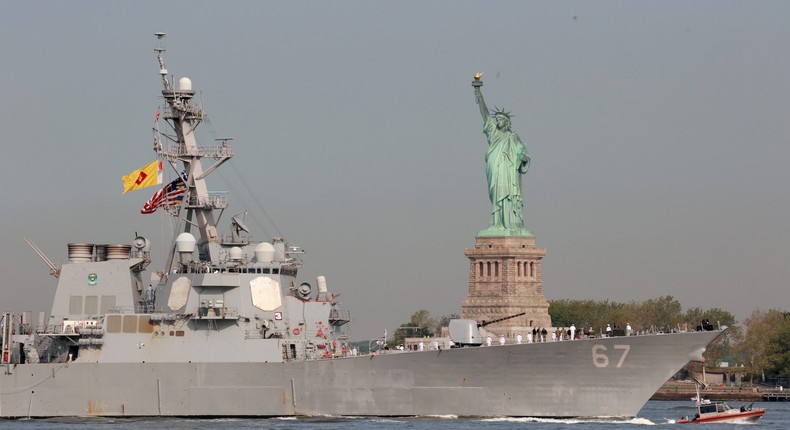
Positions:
{"x": 420, "y": 324}
{"x": 757, "y": 345}
{"x": 724, "y": 346}
{"x": 777, "y": 353}
{"x": 663, "y": 313}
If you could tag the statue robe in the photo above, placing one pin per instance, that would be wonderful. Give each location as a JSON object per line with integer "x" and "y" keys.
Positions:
{"x": 506, "y": 161}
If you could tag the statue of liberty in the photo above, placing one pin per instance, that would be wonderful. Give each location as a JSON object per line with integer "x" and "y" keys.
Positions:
{"x": 506, "y": 161}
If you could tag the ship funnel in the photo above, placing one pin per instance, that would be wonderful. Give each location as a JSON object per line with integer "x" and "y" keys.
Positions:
{"x": 118, "y": 252}
{"x": 185, "y": 245}
{"x": 80, "y": 252}
{"x": 264, "y": 252}
{"x": 101, "y": 253}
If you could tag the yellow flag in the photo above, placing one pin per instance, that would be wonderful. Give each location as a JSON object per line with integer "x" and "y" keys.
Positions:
{"x": 148, "y": 176}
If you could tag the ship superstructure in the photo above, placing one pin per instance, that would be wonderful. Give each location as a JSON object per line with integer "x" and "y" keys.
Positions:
{"x": 228, "y": 330}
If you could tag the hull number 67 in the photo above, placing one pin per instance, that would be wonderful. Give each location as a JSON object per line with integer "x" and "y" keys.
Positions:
{"x": 600, "y": 355}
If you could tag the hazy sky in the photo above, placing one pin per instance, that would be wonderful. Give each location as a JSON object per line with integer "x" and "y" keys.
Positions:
{"x": 658, "y": 133}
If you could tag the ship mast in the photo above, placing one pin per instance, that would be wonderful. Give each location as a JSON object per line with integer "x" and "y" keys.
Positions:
{"x": 184, "y": 114}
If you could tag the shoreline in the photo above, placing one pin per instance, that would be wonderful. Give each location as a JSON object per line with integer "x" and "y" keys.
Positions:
{"x": 683, "y": 392}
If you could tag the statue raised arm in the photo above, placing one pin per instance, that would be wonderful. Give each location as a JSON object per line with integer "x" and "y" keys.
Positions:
{"x": 506, "y": 160}
{"x": 477, "y": 83}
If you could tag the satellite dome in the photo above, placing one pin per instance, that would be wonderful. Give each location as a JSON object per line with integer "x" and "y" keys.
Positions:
{"x": 185, "y": 84}
{"x": 185, "y": 242}
{"x": 264, "y": 252}
{"x": 236, "y": 254}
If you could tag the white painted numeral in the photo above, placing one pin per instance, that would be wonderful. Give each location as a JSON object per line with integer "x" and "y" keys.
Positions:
{"x": 625, "y": 349}
{"x": 600, "y": 359}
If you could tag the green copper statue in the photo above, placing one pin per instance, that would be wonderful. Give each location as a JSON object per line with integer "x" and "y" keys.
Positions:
{"x": 506, "y": 161}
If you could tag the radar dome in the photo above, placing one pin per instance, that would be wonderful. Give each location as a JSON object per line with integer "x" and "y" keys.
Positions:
{"x": 185, "y": 84}
{"x": 264, "y": 252}
{"x": 185, "y": 242}
{"x": 236, "y": 253}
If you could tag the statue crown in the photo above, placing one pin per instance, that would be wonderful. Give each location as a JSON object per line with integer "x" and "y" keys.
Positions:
{"x": 500, "y": 111}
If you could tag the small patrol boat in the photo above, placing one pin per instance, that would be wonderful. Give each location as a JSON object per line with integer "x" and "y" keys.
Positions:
{"x": 713, "y": 412}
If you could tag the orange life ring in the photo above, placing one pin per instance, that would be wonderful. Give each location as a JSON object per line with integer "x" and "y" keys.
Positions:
{"x": 296, "y": 331}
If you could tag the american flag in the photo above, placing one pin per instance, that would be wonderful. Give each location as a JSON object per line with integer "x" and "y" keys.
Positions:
{"x": 171, "y": 194}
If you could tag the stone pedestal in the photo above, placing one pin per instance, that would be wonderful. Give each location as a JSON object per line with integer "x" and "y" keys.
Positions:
{"x": 504, "y": 280}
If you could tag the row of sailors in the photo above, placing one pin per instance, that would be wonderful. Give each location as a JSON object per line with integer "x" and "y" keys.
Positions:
{"x": 540, "y": 335}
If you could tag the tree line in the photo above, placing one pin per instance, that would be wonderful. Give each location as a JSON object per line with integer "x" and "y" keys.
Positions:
{"x": 761, "y": 343}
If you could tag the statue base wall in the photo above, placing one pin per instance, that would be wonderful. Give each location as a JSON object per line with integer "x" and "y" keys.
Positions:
{"x": 505, "y": 280}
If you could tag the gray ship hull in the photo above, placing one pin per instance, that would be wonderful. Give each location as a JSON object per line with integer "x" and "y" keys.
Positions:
{"x": 612, "y": 377}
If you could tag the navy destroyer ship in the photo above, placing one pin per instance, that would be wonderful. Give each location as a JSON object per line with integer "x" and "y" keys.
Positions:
{"x": 230, "y": 330}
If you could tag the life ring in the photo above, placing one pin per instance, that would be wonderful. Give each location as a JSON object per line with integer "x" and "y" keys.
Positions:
{"x": 296, "y": 331}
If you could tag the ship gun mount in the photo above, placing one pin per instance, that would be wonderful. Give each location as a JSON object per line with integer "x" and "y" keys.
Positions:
{"x": 465, "y": 332}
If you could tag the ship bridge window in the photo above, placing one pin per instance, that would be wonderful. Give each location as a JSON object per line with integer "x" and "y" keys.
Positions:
{"x": 275, "y": 271}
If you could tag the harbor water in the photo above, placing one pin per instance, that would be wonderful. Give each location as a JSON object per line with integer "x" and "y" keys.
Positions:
{"x": 655, "y": 413}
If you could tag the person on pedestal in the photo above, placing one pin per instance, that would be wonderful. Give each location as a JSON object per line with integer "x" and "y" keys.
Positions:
{"x": 519, "y": 339}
